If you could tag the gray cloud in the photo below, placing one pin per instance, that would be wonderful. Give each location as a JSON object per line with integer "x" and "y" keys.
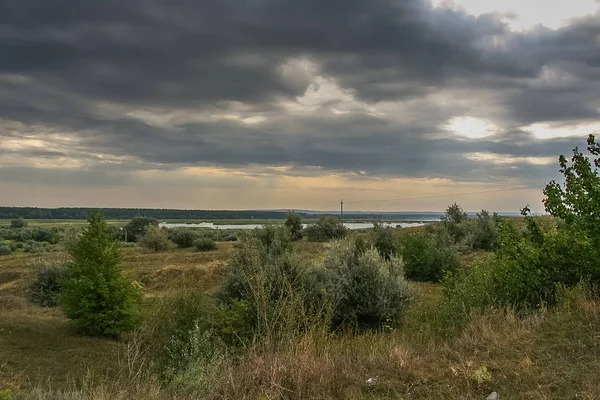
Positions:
{"x": 64, "y": 61}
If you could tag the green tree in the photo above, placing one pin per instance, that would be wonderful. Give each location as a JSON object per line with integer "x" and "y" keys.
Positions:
{"x": 327, "y": 227}
{"x": 385, "y": 241}
{"x": 578, "y": 200}
{"x": 156, "y": 239}
{"x": 456, "y": 222}
{"x": 138, "y": 226}
{"x": 294, "y": 224}
{"x": 18, "y": 223}
{"x": 455, "y": 214}
{"x": 95, "y": 295}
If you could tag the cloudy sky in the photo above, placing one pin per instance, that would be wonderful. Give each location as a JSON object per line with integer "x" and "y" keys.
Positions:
{"x": 245, "y": 104}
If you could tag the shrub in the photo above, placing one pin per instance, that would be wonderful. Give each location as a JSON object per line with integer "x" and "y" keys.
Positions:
{"x": 18, "y": 223}
{"x": 485, "y": 231}
{"x": 526, "y": 272}
{"x": 326, "y": 228}
{"x": 5, "y": 249}
{"x": 31, "y": 246}
{"x": 366, "y": 290}
{"x": 185, "y": 336}
{"x": 205, "y": 244}
{"x": 428, "y": 256}
{"x": 155, "y": 239}
{"x": 183, "y": 238}
{"x": 138, "y": 226}
{"x": 294, "y": 223}
{"x": 44, "y": 289}
{"x": 271, "y": 282}
{"x": 456, "y": 222}
{"x": 95, "y": 295}
{"x": 50, "y": 235}
{"x": 385, "y": 241}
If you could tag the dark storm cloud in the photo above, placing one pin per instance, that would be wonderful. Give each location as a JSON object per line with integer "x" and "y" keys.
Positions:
{"x": 63, "y": 60}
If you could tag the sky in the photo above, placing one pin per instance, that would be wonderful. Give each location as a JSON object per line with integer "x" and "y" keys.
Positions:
{"x": 397, "y": 105}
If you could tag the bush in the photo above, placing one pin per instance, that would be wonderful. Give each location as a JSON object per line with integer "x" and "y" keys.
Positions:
{"x": 366, "y": 290}
{"x": 183, "y": 238}
{"x": 94, "y": 294}
{"x": 138, "y": 226}
{"x": 50, "y": 235}
{"x": 5, "y": 249}
{"x": 385, "y": 241}
{"x": 31, "y": 246}
{"x": 294, "y": 224}
{"x": 155, "y": 239}
{"x": 428, "y": 256}
{"x": 183, "y": 335}
{"x": 485, "y": 231}
{"x": 271, "y": 282}
{"x": 326, "y": 228}
{"x": 205, "y": 244}
{"x": 44, "y": 289}
{"x": 526, "y": 272}
{"x": 18, "y": 223}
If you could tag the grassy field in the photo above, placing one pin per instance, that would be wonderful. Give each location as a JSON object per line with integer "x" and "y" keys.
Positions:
{"x": 545, "y": 355}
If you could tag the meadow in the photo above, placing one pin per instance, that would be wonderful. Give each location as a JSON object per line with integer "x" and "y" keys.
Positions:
{"x": 547, "y": 353}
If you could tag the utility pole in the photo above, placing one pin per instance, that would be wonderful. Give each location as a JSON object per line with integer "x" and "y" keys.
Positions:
{"x": 342, "y": 210}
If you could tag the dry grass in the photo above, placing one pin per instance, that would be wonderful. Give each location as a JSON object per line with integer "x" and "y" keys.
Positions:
{"x": 546, "y": 355}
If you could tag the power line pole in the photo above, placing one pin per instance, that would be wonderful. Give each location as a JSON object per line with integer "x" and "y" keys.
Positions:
{"x": 342, "y": 210}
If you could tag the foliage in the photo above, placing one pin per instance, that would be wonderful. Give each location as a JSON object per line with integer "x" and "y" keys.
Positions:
{"x": 485, "y": 231}
{"x": 455, "y": 221}
{"x": 366, "y": 290}
{"x": 155, "y": 239}
{"x": 137, "y": 227}
{"x": 189, "y": 331}
{"x": 294, "y": 223}
{"x": 50, "y": 235}
{"x": 385, "y": 241}
{"x": 49, "y": 271}
{"x": 274, "y": 284}
{"x": 205, "y": 244}
{"x": 326, "y": 228}
{"x": 182, "y": 237}
{"x": 527, "y": 271}
{"x": 578, "y": 202}
{"x": 5, "y": 249}
{"x": 18, "y": 223}
{"x": 263, "y": 250}
{"x": 95, "y": 295}
{"x": 428, "y": 256}
{"x": 455, "y": 214}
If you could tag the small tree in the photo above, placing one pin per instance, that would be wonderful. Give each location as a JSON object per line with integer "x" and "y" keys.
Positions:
{"x": 18, "y": 223}
{"x": 455, "y": 220}
{"x": 183, "y": 238}
{"x": 294, "y": 224}
{"x": 156, "y": 239}
{"x": 385, "y": 241}
{"x": 455, "y": 214}
{"x": 205, "y": 244}
{"x": 94, "y": 294}
{"x": 138, "y": 226}
{"x": 578, "y": 202}
{"x": 327, "y": 227}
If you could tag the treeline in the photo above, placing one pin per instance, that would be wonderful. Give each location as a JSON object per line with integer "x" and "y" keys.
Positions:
{"x": 129, "y": 213}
